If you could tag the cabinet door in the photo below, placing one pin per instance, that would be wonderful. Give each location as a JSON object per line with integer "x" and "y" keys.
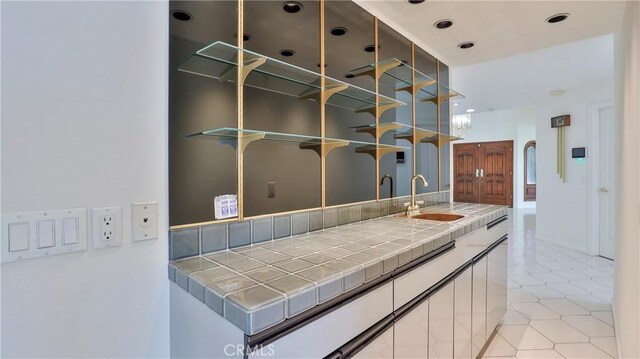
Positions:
{"x": 380, "y": 348}
{"x": 479, "y": 307}
{"x": 410, "y": 334}
{"x": 462, "y": 315}
{"x": 441, "y": 323}
{"x": 496, "y": 286}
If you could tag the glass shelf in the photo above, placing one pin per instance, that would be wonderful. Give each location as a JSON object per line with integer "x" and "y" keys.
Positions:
{"x": 405, "y": 132}
{"x": 401, "y": 74}
{"x": 446, "y": 94}
{"x": 220, "y": 61}
{"x": 240, "y": 138}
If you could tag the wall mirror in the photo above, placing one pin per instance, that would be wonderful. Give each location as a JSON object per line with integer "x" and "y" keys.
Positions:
{"x": 445, "y": 97}
{"x": 282, "y": 167}
{"x": 199, "y": 169}
{"x": 349, "y": 31}
{"x": 427, "y": 119}
{"x": 392, "y": 45}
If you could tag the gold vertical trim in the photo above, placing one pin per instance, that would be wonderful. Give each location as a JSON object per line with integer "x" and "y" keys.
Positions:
{"x": 323, "y": 101}
{"x": 377, "y": 112}
{"x": 438, "y": 126}
{"x": 240, "y": 107}
{"x": 414, "y": 89}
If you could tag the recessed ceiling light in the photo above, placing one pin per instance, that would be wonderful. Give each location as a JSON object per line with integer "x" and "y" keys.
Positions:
{"x": 292, "y": 7}
{"x": 466, "y": 45}
{"x": 471, "y": 110}
{"x": 556, "y": 92}
{"x": 181, "y": 15}
{"x": 415, "y": 1}
{"x": 245, "y": 37}
{"x": 287, "y": 52}
{"x": 370, "y": 48}
{"x": 557, "y": 18}
{"x": 456, "y": 104}
{"x": 339, "y": 31}
{"x": 443, "y": 24}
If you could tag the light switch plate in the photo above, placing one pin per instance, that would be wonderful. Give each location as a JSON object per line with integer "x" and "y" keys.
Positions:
{"x": 144, "y": 221}
{"x": 39, "y": 234}
{"x": 106, "y": 227}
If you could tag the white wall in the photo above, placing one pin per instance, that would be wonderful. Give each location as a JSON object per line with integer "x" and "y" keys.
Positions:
{"x": 562, "y": 208}
{"x": 518, "y": 125}
{"x": 627, "y": 268}
{"x": 84, "y": 124}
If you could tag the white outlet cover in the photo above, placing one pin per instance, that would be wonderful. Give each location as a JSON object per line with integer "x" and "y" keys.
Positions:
{"x": 144, "y": 221}
{"x": 115, "y": 240}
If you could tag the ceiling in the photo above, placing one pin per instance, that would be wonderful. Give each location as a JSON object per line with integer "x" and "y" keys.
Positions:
{"x": 526, "y": 79}
{"x": 499, "y": 28}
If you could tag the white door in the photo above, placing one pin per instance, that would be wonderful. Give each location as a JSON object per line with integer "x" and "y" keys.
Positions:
{"x": 607, "y": 246}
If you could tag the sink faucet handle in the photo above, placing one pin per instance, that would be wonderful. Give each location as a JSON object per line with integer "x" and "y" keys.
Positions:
{"x": 406, "y": 204}
{"x": 419, "y": 202}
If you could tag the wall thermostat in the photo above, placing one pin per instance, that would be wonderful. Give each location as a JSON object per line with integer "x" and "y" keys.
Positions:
{"x": 578, "y": 152}
{"x": 560, "y": 121}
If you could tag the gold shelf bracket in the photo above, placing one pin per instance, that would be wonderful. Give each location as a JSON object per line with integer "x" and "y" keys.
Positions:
{"x": 323, "y": 149}
{"x": 249, "y": 65}
{"x": 412, "y": 89}
{"x": 381, "y": 108}
{"x": 379, "y": 129}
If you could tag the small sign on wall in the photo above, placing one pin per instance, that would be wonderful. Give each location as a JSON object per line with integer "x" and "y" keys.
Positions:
{"x": 225, "y": 206}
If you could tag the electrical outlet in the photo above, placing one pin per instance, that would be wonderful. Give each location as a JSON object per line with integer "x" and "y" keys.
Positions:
{"x": 271, "y": 190}
{"x": 106, "y": 227}
{"x": 144, "y": 221}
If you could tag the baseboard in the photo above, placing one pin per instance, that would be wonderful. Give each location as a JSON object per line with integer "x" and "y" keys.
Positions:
{"x": 562, "y": 244}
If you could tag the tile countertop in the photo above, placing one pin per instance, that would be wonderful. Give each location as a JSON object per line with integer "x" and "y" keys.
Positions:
{"x": 258, "y": 286}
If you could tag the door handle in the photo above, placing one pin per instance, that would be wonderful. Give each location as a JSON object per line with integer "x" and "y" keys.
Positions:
{"x": 604, "y": 189}
{"x": 477, "y": 171}
{"x": 482, "y": 172}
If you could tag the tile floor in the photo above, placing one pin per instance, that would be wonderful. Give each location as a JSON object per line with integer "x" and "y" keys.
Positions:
{"x": 559, "y": 300}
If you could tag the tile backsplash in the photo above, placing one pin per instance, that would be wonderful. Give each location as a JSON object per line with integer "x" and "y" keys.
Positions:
{"x": 210, "y": 238}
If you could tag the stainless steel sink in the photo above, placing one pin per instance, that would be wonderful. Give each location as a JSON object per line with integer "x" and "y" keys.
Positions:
{"x": 442, "y": 217}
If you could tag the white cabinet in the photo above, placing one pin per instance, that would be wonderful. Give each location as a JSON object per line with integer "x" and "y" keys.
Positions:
{"x": 379, "y": 348}
{"x": 410, "y": 333}
{"x": 462, "y": 315}
{"x": 496, "y": 286}
{"x": 441, "y": 322}
{"x": 479, "y": 307}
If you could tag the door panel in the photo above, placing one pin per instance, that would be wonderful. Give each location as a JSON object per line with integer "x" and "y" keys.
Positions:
{"x": 462, "y": 315}
{"x": 496, "y": 172}
{"x": 465, "y": 165}
{"x": 479, "y": 307}
{"x": 380, "y": 348}
{"x": 410, "y": 334}
{"x": 441, "y": 323}
{"x": 496, "y": 286}
{"x": 606, "y": 161}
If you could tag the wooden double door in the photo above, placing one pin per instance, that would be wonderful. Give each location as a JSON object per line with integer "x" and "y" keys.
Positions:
{"x": 483, "y": 172}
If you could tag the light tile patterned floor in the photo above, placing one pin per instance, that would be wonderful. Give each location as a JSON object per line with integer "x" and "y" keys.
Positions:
{"x": 559, "y": 300}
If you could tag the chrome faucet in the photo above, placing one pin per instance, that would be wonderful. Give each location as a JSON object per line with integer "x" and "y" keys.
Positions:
{"x": 391, "y": 182}
{"x": 414, "y": 206}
